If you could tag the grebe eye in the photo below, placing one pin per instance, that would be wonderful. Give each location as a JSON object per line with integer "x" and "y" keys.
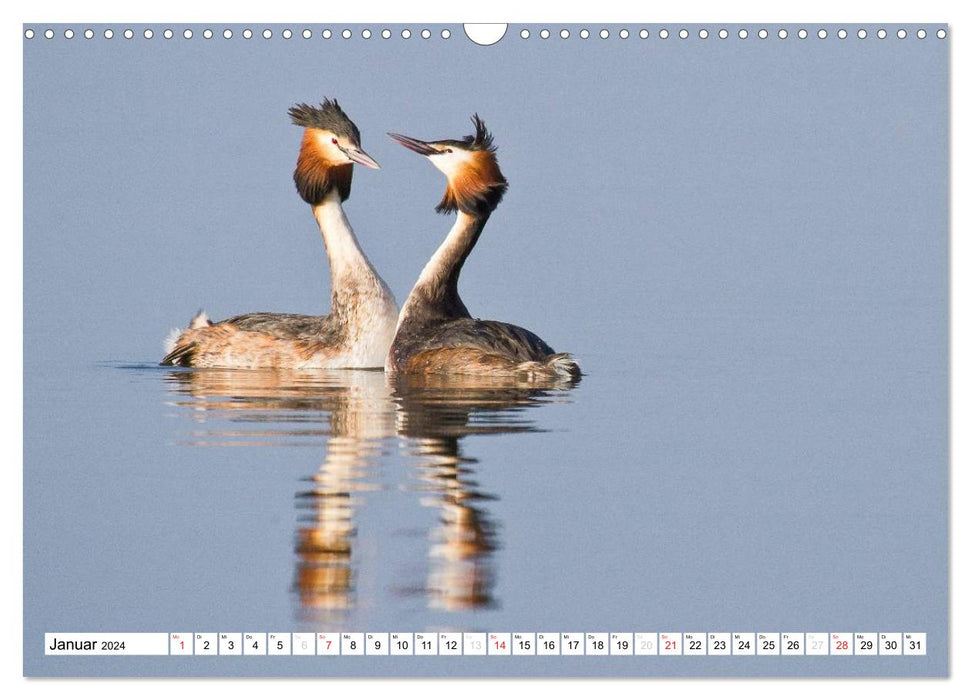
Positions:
{"x": 334, "y": 141}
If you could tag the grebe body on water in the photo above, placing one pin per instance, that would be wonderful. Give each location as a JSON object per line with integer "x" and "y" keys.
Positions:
{"x": 436, "y": 333}
{"x": 361, "y": 325}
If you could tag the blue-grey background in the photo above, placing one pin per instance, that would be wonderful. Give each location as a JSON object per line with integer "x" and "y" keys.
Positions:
{"x": 744, "y": 241}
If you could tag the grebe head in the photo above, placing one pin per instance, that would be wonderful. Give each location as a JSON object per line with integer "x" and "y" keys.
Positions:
{"x": 475, "y": 183}
{"x": 330, "y": 148}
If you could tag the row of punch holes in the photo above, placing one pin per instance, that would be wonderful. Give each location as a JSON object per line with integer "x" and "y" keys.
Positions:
{"x": 245, "y": 33}
{"x": 782, "y": 33}
{"x": 725, "y": 34}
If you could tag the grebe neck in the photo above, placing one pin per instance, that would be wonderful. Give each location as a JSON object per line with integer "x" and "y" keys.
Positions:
{"x": 351, "y": 273}
{"x": 436, "y": 293}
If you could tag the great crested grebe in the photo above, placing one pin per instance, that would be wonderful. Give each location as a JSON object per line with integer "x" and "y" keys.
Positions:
{"x": 436, "y": 334}
{"x": 361, "y": 324}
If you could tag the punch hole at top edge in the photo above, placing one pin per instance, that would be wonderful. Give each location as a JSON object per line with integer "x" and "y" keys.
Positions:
{"x": 485, "y": 34}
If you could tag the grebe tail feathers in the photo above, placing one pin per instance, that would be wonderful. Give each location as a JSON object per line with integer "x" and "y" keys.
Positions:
{"x": 200, "y": 320}
{"x": 564, "y": 365}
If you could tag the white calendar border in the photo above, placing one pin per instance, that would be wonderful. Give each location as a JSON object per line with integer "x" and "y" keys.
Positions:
{"x": 607, "y": 11}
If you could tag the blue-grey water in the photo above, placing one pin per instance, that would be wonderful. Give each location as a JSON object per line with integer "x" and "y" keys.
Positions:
{"x": 745, "y": 244}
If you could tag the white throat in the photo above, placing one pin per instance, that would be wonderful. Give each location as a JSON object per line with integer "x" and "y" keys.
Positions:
{"x": 437, "y": 283}
{"x": 446, "y": 252}
{"x": 359, "y": 296}
{"x": 343, "y": 250}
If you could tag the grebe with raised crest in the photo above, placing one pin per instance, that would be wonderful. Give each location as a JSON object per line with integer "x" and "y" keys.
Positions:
{"x": 361, "y": 325}
{"x": 436, "y": 333}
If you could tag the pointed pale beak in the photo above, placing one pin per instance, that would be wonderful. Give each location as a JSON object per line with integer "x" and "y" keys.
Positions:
{"x": 362, "y": 158}
{"x": 414, "y": 144}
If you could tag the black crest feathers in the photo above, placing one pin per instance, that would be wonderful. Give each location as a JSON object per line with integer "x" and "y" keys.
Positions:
{"x": 482, "y": 140}
{"x": 329, "y": 116}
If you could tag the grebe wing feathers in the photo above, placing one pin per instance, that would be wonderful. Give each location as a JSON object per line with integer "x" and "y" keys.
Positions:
{"x": 289, "y": 326}
{"x": 493, "y": 337}
{"x": 257, "y": 340}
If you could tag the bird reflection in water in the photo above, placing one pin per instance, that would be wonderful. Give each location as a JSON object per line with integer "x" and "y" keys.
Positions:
{"x": 357, "y": 412}
{"x": 351, "y": 409}
{"x": 359, "y": 421}
{"x": 435, "y": 413}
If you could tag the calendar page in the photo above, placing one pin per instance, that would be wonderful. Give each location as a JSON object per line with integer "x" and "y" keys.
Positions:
{"x": 519, "y": 350}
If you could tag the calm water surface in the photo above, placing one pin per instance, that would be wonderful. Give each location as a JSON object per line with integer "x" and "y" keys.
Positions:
{"x": 713, "y": 494}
